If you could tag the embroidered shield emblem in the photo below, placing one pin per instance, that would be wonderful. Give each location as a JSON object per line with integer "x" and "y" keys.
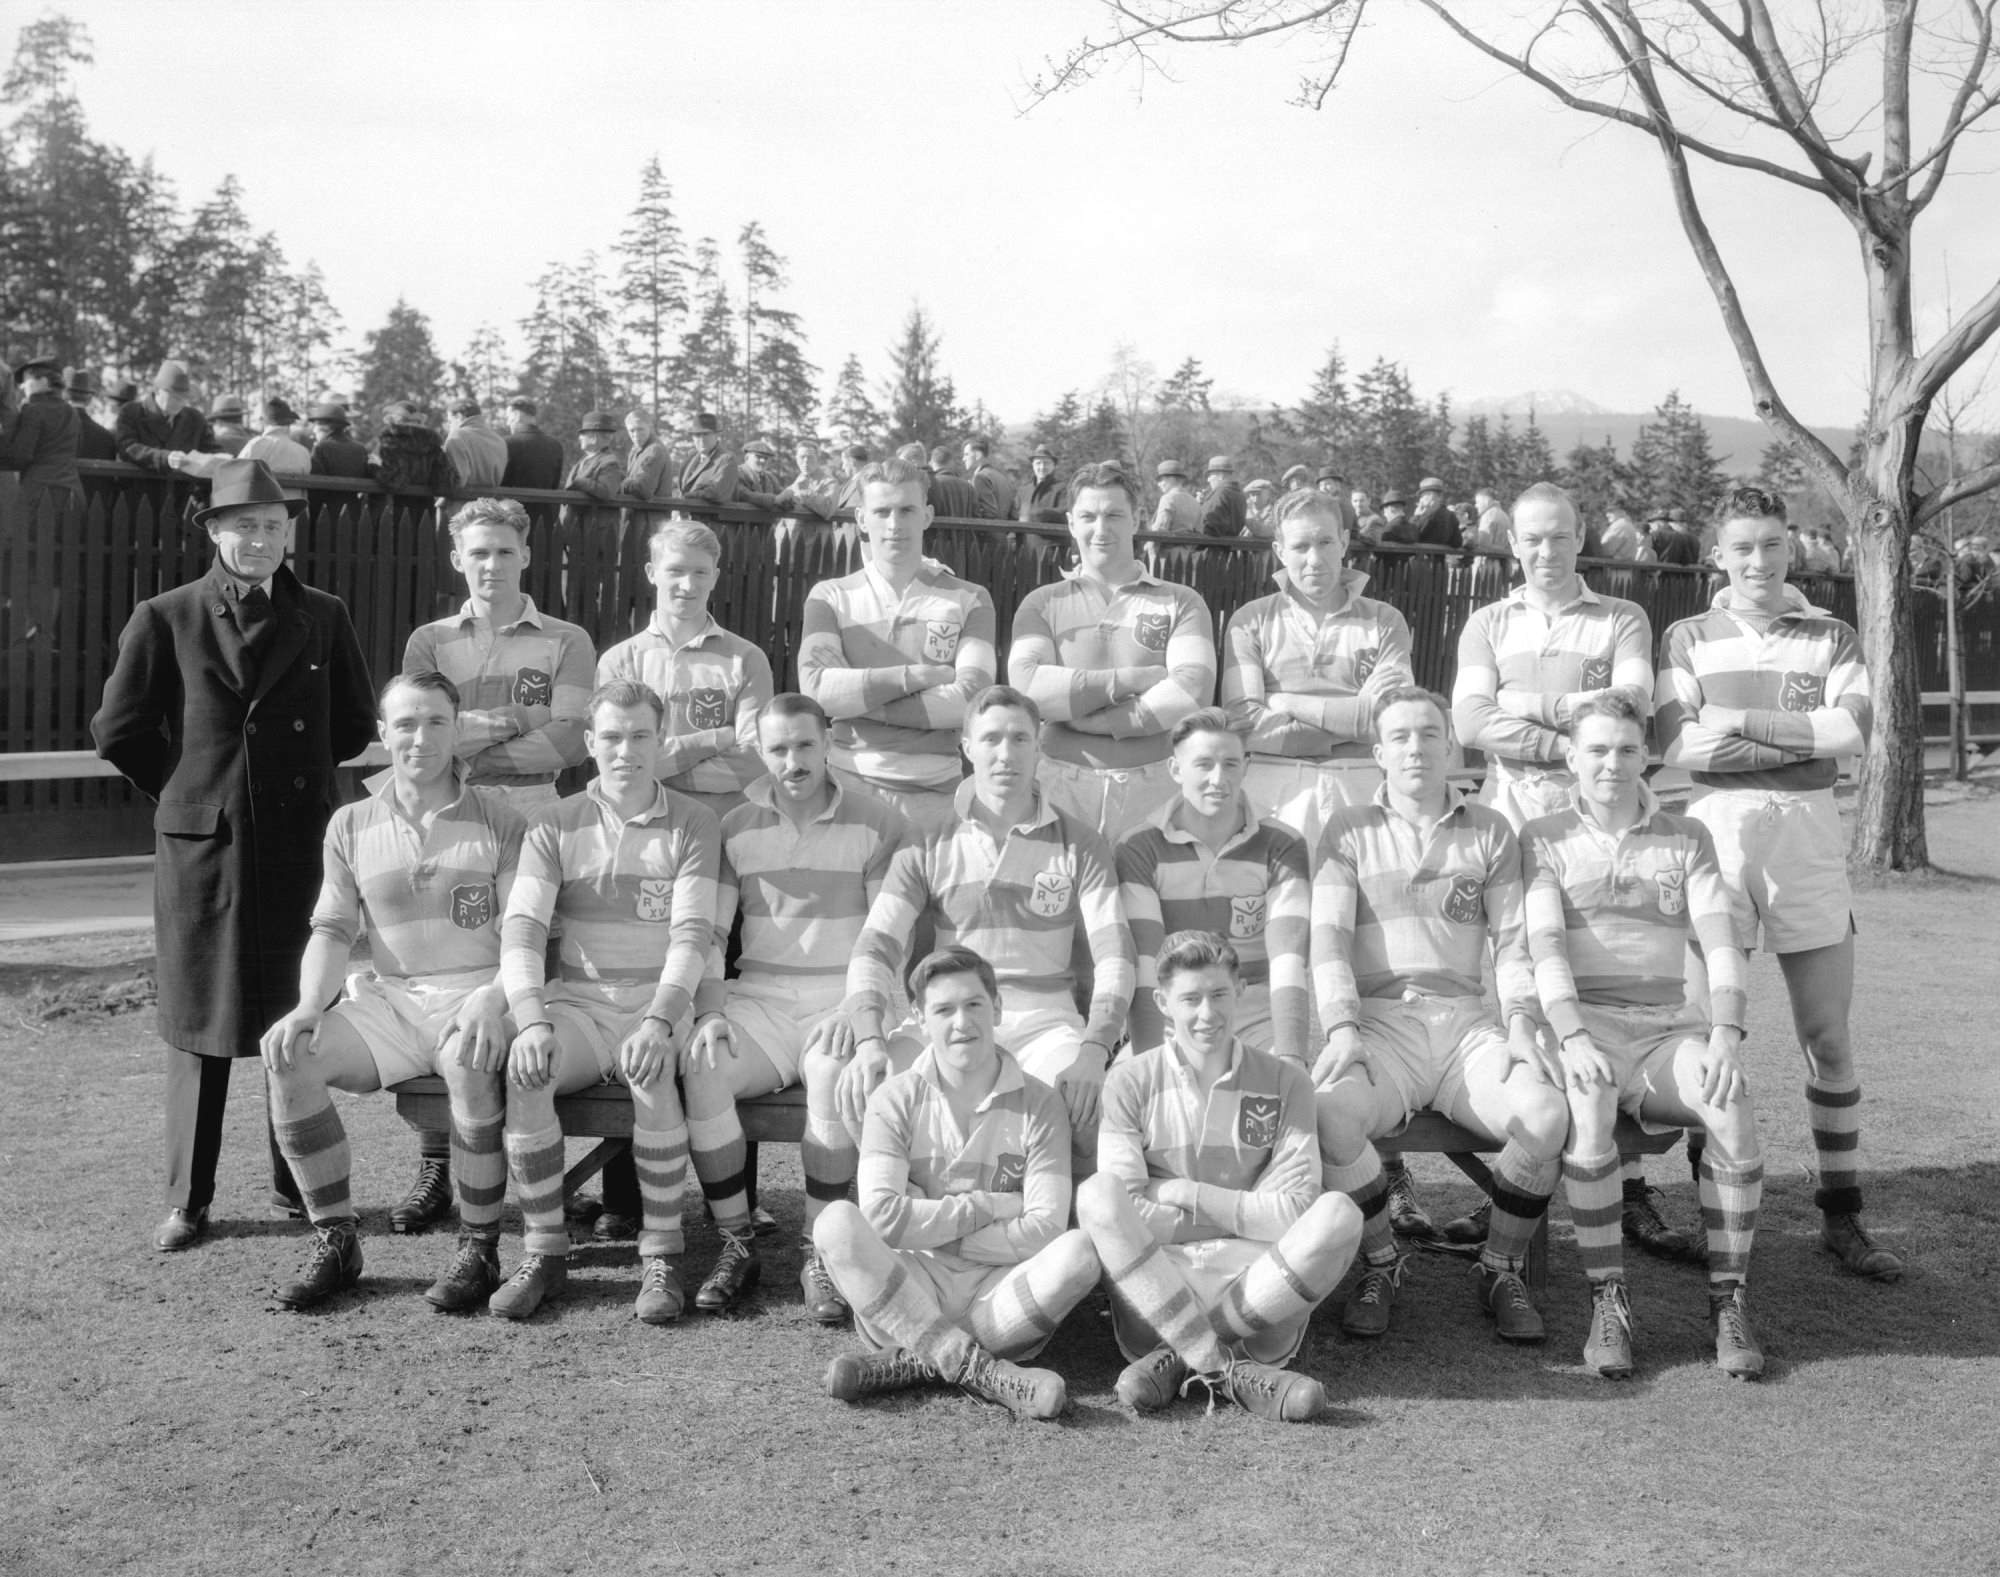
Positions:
{"x": 1365, "y": 661}
{"x": 1009, "y": 1173}
{"x": 532, "y": 687}
{"x": 656, "y": 899}
{"x": 1257, "y": 1121}
{"x": 1673, "y": 892}
{"x": 1802, "y": 693}
{"x": 471, "y": 905}
{"x": 1246, "y": 917}
{"x": 941, "y": 639}
{"x": 1596, "y": 674}
{"x": 707, "y": 709}
{"x": 1152, "y": 630}
{"x": 1051, "y": 894}
{"x": 1461, "y": 901}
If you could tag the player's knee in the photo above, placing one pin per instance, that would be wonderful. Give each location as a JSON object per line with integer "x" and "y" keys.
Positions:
{"x": 472, "y": 1087}
{"x": 820, "y": 1074}
{"x": 1542, "y": 1119}
{"x": 1333, "y": 1226}
{"x": 1593, "y": 1114}
{"x": 1732, "y": 1131}
{"x": 656, "y": 1105}
{"x": 531, "y": 1110}
{"x": 1100, "y": 1203}
{"x": 839, "y": 1229}
{"x": 1342, "y": 1132}
{"x": 1074, "y": 1259}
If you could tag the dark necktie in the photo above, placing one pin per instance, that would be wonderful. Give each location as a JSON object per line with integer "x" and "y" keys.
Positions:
{"x": 254, "y": 616}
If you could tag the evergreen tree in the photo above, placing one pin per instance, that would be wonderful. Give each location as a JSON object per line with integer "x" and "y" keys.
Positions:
{"x": 851, "y": 415}
{"x": 1101, "y": 436}
{"x": 568, "y": 371}
{"x": 399, "y": 361}
{"x": 923, "y": 405}
{"x": 652, "y": 286}
{"x": 708, "y": 372}
{"x": 484, "y": 371}
{"x": 1595, "y": 477}
{"x": 1534, "y": 456}
{"x": 1187, "y": 389}
{"x": 1672, "y": 462}
{"x": 1477, "y": 461}
{"x": 1058, "y": 427}
{"x": 1780, "y": 469}
{"x": 777, "y": 378}
{"x": 1394, "y": 430}
{"x": 1324, "y": 420}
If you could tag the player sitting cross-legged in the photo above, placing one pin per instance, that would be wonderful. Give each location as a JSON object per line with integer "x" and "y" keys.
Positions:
{"x": 1615, "y": 888}
{"x": 1408, "y": 894}
{"x": 1206, "y": 1209}
{"x": 426, "y": 862}
{"x": 956, "y": 1261}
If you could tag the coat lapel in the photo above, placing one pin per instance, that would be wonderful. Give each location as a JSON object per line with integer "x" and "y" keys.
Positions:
{"x": 294, "y": 630}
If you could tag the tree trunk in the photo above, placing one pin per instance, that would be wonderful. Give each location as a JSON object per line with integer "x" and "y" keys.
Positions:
{"x": 1889, "y": 811}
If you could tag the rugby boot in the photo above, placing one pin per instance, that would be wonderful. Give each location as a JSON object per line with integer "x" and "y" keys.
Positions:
{"x": 824, "y": 1304}
{"x": 537, "y": 1279}
{"x": 335, "y": 1266}
{"x": 1644, "y": 1227}
{"x": 854, "y": 1375}
{"x": 1608, "y": 1347}
{"x": 738, "y": 1269}
{"x": 1152, "y": 1382}
{"x": 1736, "y": 1349}
{"x": 429, "y": 1198}
{"x": 614, "y": 1226}
{"x": 1842, "y": 1235}
{"x": 1470, "y": 1228}
{"x": 1024, "y": 1392}
{"x": 1267, "y": 1391}
{"x": 1368, "y": 1305}
{"x": 182, "y": 1229}
{"x": 473, "y": 1277}
{"x": 1407, "y": 1216}
{"x": 1504, "y": 1297}
{"x": 661, "y": 1295}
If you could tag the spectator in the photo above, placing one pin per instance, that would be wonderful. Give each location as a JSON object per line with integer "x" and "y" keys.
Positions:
{"x": 1396, "y": 523}
{"x": 1041, "y": 501}
{"x": 1492, "y": 524}
{"x": 1329, "y": 480}
{"x": 477, "y": 453}
{"x": 226, "y": 422}
{"x": 1368, "y": 521}
{"x": 1673, "y": 543}
{"x": 1179, "y": 511}
{"x": 815, "y": 490}
{"x": 1822, "y": 557}
{"x": 852, "y": 459}
{"x": 952, "y": 496}
{"x": 757, "y": 478}
{"x": 409, "y": 456}
{"x": 711, "y": 471}
{"x": 599, "y": 472}
{"x": 649, "y": 464}
{"x": 334, "y": 452}
{"x": 1795, "y": 547}
{"x": 993, "y": 487}
{"x": 275, "y": 446}
{"x": 93, "y": 439}
{"x": 1295, "y": 477}
{"x": 1224, "y": 511}
{"x": 1257, "y": 500}
{"x": 162, "y": 432}
{"x": 1434, "y": 521}
{"x": 1622, "y": 537}
{"x": 534, "y": 459}
{"x": 41, "y": 443}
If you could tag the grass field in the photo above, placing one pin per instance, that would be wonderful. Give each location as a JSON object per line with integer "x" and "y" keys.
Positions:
{"x": 160, "y": 1414}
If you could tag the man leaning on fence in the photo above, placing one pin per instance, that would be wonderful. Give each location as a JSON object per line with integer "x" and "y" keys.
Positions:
{"x": 162, "y": 432}
{"x": 41, "y": 443}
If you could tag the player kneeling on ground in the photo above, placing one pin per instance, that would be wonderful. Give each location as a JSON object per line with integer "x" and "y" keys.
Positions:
{"x": 956, "y": 1260}
{"x": 628, "y": 869}
{"x": 1206, "y": 1209}
{"x": 1408, "y": 893}
{"x": 427, "y": 862}
{"x": 1615, "y": 887}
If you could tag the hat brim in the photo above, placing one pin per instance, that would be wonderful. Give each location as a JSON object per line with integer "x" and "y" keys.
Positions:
{"x": 293, "y": 506}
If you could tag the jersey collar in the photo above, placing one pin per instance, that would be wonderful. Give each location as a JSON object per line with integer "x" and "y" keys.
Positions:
{"x": 1519, "y": 597}
{"x": 660, "y": 810}
{"x": 709, "y": 630}
{"x": 1010, "y": 1078}
{"x": 1455, "y": 801}
{"x": 1797, "y": 606}
{"x": 763, "y": 793}
{"x": 530, "y": 614}
{"x": 1043, "y": 814}
{"x": 1649, "y": 807}
{"x": 1170, "y": 819}
{"x": 1346, "y": 591}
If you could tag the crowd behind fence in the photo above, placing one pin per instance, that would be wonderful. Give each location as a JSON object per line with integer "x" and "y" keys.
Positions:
{"x": 66, "y": 593}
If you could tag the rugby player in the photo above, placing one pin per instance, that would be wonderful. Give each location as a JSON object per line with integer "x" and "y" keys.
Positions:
{"x": 1616, "y": 886}
{"x": 1206, "y": 1210}
{"x": 427, "y": 864}
{"x": 1760, "y": 699}
{"x": 956, "y": 1261}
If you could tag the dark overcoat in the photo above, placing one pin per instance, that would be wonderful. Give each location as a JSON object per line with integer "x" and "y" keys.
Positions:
{"x": 238, "y": 748}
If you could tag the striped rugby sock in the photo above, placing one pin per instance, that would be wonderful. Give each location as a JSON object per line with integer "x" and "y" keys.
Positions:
{"x": 829, "y": 1159}
{"x": 535, "y": 1163}
{"x": 315, "y": 1147}
{"x": 884, "y": 1295}
{"x": 1730, "y": 1199}
{"x": 1834, "y": 1112}
{"x": 1365, "y": 1181}
{"x": 1022, "y": 1309}
{"x": 660, "y": 1157}
{"x": 718, "y": 1153}
{"x": 1597, "y": 1210}
{"x": 1147, "y": 1282}
{"x": 1292, "y": 1277}
{"x": 1520, "y": 1193}
{"x": 479, "y": 1172}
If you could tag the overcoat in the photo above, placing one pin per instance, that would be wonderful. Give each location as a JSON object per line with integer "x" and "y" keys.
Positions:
{"x": 237, "y": 745}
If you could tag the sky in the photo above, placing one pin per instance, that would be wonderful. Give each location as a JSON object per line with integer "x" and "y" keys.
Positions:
{"x": 1436, "y": 211}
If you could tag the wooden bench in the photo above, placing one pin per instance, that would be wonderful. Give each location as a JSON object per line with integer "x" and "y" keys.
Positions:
{"x": 604, "y": 1112}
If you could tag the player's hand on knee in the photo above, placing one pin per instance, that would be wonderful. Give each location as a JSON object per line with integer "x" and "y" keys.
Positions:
{"x": 1343, "y": 1051}
{"x": 1081, "y": 1085}
{"x": 647, "y": 1052}
{"x": 1583, "y": 1064}
{"x": 711, "y": 1042}
{"x": 285, "y": 1041}
{"x": 1524, "y": 1043}
{"x": 859, "y": 1079}
{"x": 832, "y": 1036}
{"x": 480, "y": 1033}
{"x": 531, "y": 1060}
{"x": 1722, "y": 1077}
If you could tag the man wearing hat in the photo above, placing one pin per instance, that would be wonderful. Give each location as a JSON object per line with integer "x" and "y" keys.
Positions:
{"x": 477, "y": 453}
{"x": 599, "y": 472}
{"x": 534, "y": 459}
{"x": 757, "y": 479}
{"x": 815, "y": 490}
{"x": 1257, "y": 500}
{"x": 1328, "y": 479}
{"x": 409, "y": 455}
{"x": 952, "y": 496}
{"x": 1673, "y": 543}
{"x": 1396, "y": 523}
{"x": 649, "y": 464}
{"x": 993, "y": 486}
{"x": 710, "y": 472}
{"x": 276, "y": 446}
{"x": 1177, "y": 510}
{"x": 1435, "y": 521}
{"x": 162, "y": 432}
{"x": 1224, "y": 510}
{"x": 334, "y": 451}
{"x": 93, "y": 438}
{"x": 41, "y": 443}
{"x": 1040, "y": 500}
{"x": 1294, "y": 478}
{"x": 226, "y": 422}
{"x": 233, "y": 700}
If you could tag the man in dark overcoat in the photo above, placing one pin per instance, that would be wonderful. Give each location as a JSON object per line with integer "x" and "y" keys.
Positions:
{"x": 233, "y": 701}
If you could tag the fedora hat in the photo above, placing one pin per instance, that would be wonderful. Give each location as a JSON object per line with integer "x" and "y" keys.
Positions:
{"x": 172, "y": 378}
{"x": 598, "y": 422}
{"x": 47, "y": 366}
{"x": 79, "y": 384}
{"x": 240, "y": 482}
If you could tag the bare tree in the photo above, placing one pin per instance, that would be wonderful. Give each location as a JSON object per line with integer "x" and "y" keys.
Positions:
{"x": 1820, "y": 100}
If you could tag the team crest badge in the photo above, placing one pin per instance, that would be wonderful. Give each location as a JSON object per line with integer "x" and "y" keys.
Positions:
{"x": 941, "y": 639}
{"x": 1673, "y": 892}
{"x": 707, "y": 709}
{"x": 656, "y": 899}
{"x": 1596, "y": 674}
{"x": 1246, "y": 917}
{"x": 471, "y": 905}
{"x": 1462, "y": 904}
{"x": 1365, "y": 661}
{"x": 1153, "y": 629}
{"x": 532, "y": 687}
{"x": 1009, "y": 1173}
{"x": 1802, "y": 693}
{"x": 1052, "y": 892}
{"x": 1257, "y": 1122}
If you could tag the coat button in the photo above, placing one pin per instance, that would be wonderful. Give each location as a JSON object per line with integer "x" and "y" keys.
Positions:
{"x": 219, "y": 610}
{"x": 298, "y": 725}
{"x": 298, "y": 782}
{"x": 249, "y": 728}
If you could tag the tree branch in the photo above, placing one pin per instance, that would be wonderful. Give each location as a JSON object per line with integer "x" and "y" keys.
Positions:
{"x": 1937, "y": 501}
{"x": 1930, "y": 372}
{"x": 1962, "y": 114}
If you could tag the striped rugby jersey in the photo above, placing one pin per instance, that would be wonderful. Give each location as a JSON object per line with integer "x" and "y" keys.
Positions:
{"x": 538, "y": 661}
{"x": 1282, "y": 644}
{"x": 1795, "y": 688}
{"x": 1069, "y": 636}
{"x": 1017, "y": 902}
{"x": 925, "y": 1184}
{"x": 636, "y": 898}
{"x": 1609, "y": 915}
{"x": 1512, "y": 648}
{"x": 432, "y": 897}
{"x": 1252, "y": 1143}
{"x": 857, "y": 630}
{"x": 714, "y": 685}
{"x": 1255, "y": 891}
{"x": 804, "y": 892}
{"x": 1394, "y": 911}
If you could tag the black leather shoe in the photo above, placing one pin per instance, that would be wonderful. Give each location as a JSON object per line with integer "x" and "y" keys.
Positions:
{"x": 182, "y": 1229}
{"x": 614, "y": 1226}
{"x": 429, "y": 1199}
{"x": 335, "y": 1266}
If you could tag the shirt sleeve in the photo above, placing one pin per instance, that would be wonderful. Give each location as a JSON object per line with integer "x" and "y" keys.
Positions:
{"x": 1288, "y": 942}
{"x": 1684, "y": 741}
{"x": 558, "y": 743}
{"x": 1138, "y": 874}
{"x": 1245, "y": 695}
{"x": 1190, "y": 682}
{"x": 1336, "y": 894}
{"x": 524, "y": 929}
{"x": 691, "y": 931}
{"x": 1513, "y": 973}
{"x": 1113, "y": 969}
{"x": 1121, "y": 1148}
{"x": 883, "y": 946}
{"x": 337, "y": 911}
{"x": 902, "y": 1219}
{"x": 1711, "y": 915}
{"x": 824, "y": 673}
{"x": 1035, "y": 666}
{"x": 1045, "y": 1188}
{"x": 1475, "y": 704}
{"x": 1547, "y": 918}
{"x": 1289, "y": 1183}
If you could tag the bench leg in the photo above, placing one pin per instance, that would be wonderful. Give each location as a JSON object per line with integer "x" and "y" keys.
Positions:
{"x": 750, "y": 1171}
{"x": 1537, "y": 1269}
{"x": 591, "y": 1162}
